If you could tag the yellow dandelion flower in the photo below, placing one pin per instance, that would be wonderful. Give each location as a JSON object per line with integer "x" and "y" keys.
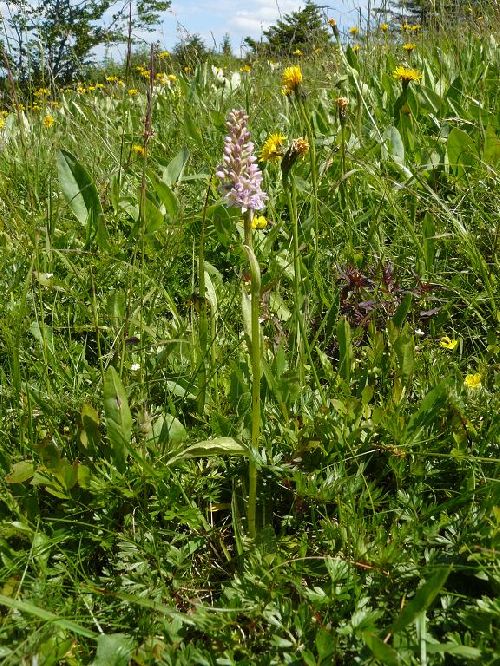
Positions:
{"x": 161, "y": 77}
{"x": 138, "y": 150}
{"x": 164, "y": 54}
{"x": 133, "y": 91}
{"x": 99, "y": 86}
{"x": 448, "y": 343}
{"x": 384, "y": 27}
{"x": 145, "y": 73}
{"x": 172, "y": 78}
{"x": 406, "y": 75}
{"x": 259, "y": 222}
{"x": 473, "y": 381}
{"x": 409, "y": 47}
{"x": 80, "y": 89}
{"x": 112, "y": 79}
{"x": 332, "y": 22}
{"x": 272, "y": 148}
{"x": 245, "y": 68}
{"x": 405, "y": 27}
{"x": 356, "y": 48}
{"x": 416, "y": 27}
{"x": 48, "y": 121}
{"x": 291, "y": 79}
{"x": 91, "y": 88}
{"x": 354, "y": 30}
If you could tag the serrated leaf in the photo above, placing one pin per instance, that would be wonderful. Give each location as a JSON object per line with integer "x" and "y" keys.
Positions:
{"x": 118, "y": 417}
{"x": 82, "y": 196}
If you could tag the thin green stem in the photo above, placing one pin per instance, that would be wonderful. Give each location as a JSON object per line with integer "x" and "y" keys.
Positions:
{"x": 255, "y": 355}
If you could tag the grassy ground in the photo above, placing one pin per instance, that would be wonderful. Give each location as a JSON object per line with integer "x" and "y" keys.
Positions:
{"x": 123, "y": 532}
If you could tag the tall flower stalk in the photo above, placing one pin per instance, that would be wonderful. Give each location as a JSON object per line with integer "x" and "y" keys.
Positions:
{"x": 241, "y": 181}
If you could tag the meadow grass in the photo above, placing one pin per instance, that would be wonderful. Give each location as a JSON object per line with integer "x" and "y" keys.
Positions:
{"x": 133, "y": 303}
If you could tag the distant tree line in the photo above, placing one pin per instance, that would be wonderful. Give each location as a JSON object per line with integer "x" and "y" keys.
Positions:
{"x": 53, "y": 40}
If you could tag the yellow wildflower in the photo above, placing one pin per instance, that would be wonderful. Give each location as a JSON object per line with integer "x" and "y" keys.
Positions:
{"x": 259, "y": 222}
{"x": 90, "y": 88}
{"x": 354, "y": 30}
{"x": 172, "y": 78}
{"x": 271, "y": 150}
{"x": 416, "y": 27}
{"x": 356, "y": 48}
{"x": 145, "y": 73}
{"x": 164, "y": 54}
{"x": 161, "y": 77}
{"x": 406, "y": 75}
{"x": 112, "y": 79}
{"x": 133, "y": 91}
{"x": 245, "y": 68}
{"x": 80, "y": 89}
{"x": 138, "y": 150}
{"x": 297, "y": 52}
{"x": 409, "y": 47}
{"x": 405, "y": 27}
{"x": 448, "y": 343}
{"x": 332, "y": 22}
{"x": 384, "y": 27}
{"x": 2, "y": 122}
{"x": 473, "y": 381}
{"x": 41, "y": 92}
{"x": 35, "y": 107}
{"x": 292, "y": 78}
{"x": 48, "y": 121}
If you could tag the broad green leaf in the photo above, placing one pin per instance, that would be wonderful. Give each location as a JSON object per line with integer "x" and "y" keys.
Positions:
{"x": 402, "y": 311}
{"x": 113, "y": 650}
{"x": 394, "y": 145}
{"x": 423, "y": 598}
{"x": 380, "y": 650}
{"x": 404, "y": 346}
{"x": 461, "y": 148}
{"x": 167, "y": 197}
{"x": 118, "y": 417}
{"x": 174, "y": 170}
{"x": 81, "y": 194}
{"x": 345, "y": 348}
{"x": 427, "y": 412}
{"x": 191, "y": 127}
{"x": 210, "y": 294}
{"x": 21, "y": 471}
{"x": 219, "y": 446}
{"x": 89, "y": 436}
{"x": 465, "y": 651}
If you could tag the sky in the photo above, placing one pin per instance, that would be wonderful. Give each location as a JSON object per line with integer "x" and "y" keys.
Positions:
{"x": 211, "y": 19}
